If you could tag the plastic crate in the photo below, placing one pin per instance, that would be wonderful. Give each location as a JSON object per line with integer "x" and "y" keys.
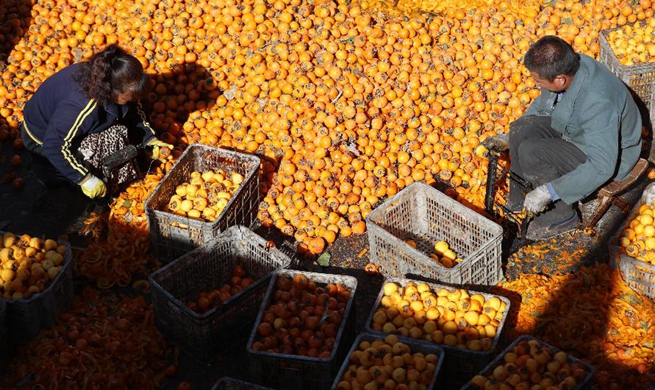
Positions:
{"x": 290, "y": 372}
{"x": 227, "y": 383}
{"x": 640, "y": 78}
{"x": 460, "y": 364}
{"x": 426, "y": 215}
{"x": 204, "y": 269}
{"x": 583, "y": 385}
{"x": 414, "y": 346}
{"x": 173, "y": 235}
{"x": 639, "y": 275}
{"x": 26, "y": 317}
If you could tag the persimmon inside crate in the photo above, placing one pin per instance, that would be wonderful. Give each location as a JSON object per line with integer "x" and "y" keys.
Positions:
{"x": 432, "y": 302}
{"x": 206, "y": 268}
{"x": 24, "y": 318}
{"x": 172, "y": 235}
{"x": 638, "y": 270}
{"x": 415, "y": 347}
{"x": 530, "y": 355}
{"x": 425, "y": 215}
{"x": 292, "y": 371}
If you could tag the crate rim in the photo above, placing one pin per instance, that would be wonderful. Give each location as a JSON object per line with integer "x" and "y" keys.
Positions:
{"x": 494, "y": 362}
{"x": 255, "y": 160}
{"x": 371, "y": 219}
{"x": 260, "y": 314}
{"x": 495, "y": 341}
{"x": 68, "y": 260}
{"x": 204, "y": 249}
{"x": 410, "y": 343}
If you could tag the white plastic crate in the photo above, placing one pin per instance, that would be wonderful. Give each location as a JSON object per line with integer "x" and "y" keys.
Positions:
{"x": 426, "y": 215}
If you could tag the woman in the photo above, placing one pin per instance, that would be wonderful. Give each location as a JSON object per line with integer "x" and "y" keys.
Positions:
{"x": 84, "y": 112}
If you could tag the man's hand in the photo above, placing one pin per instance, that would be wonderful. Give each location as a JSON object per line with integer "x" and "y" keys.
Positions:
{"x": 156, "y": 144}
{"x": 498, "y": 143}
{"x": 537, "y": 200}
{"x": 93, "y": 187}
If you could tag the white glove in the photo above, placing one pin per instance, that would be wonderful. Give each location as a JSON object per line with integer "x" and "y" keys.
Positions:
{"x": 93, "y": 187}
{"x": 537, "y": 199}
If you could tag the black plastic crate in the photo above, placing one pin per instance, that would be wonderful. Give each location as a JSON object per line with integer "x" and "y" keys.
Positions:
{"x": 24, "y": 318}
{"x": 414, "y": 346}
{"x": 584, "y": 384}
{"x": 294, "y": 372}
{"x": 4, "y": 349}
{"x": 202, "y": 336}
{"x": 460, "y": 364}
{"x": 173, "y": 235}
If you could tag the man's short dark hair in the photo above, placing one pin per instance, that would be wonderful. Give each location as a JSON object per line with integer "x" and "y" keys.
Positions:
{"x": 551, "y": 56}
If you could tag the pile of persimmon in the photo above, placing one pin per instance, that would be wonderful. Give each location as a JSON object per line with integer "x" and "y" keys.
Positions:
{"x": 448, "y": 316}
{"x": 205, "y": 195}
{"x": 207, "y": 300}
{"x": 302, "y": 317}
{"x": 531, "y": 364}
{"x": 387, "y": 363}
{"x": 637, "y": 239}
{"x": 634, "y": 43}
{"x": 28, "y": 265}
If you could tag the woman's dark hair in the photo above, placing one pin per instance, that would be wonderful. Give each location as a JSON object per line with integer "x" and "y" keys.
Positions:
{"x": 110, "y": 72}
{"x": 551, "y": 56}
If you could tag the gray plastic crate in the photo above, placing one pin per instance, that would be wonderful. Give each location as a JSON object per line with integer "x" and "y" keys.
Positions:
{"x": 640, "y": 78}
{"x": 202, "y": 336}
{"x": 227, "y": 383}
{"x": 173, "y": 235}
{"x": 584, "y": 385}
{"x": 460, "y": 364}
{"x": 639, "y": 275}
{"x": 414, "y": 346}
{"x": 294, "y": 372}
{"x": 426, "y": 215}
{"x": 26, "y": 317}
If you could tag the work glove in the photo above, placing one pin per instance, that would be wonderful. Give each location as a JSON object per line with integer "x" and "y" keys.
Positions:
{"x": 156, "y": 144}
{"x": 498, "y": 143}
{"x": 93, "y": 187}
{"x": 537, "y": 200}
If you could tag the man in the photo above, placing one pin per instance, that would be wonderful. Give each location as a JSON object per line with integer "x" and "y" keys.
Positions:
{"x": 581, "y": 132}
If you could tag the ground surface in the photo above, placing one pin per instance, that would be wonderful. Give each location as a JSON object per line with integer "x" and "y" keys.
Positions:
{"x": 43, "y": 209}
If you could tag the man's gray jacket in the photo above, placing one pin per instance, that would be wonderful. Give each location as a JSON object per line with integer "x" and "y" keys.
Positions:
{"x": 598, "y": 114}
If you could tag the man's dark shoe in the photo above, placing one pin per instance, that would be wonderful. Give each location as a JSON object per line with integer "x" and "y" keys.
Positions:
{"x": 543, "y": 230}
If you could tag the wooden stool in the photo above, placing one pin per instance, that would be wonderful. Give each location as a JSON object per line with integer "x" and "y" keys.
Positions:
{"x": 611, "y": 193}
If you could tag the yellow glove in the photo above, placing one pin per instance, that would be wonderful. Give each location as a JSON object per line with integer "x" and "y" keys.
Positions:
{"x": 156, "y": 144}
{"x": 93, "y": 187}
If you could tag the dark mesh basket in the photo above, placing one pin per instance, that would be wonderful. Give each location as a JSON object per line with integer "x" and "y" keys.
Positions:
{"x": 173, "y": 235}
{"x": 24, "y": 318}
{"x": 583, "y": 385}
{"x": 206, "y": 268}
{"x": 294, "y": 372}
{"x": 460, "y": 364}
{"x": 414, "y": 347}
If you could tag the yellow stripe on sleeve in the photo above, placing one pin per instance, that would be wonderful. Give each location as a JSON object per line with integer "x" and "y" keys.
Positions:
{"x": 66, "y": 147}
{"x": 32, "y": 135}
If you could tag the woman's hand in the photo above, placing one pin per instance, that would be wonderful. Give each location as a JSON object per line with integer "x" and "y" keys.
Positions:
{"x": 93, "y": 187}
{"x": 156, "y": 144}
